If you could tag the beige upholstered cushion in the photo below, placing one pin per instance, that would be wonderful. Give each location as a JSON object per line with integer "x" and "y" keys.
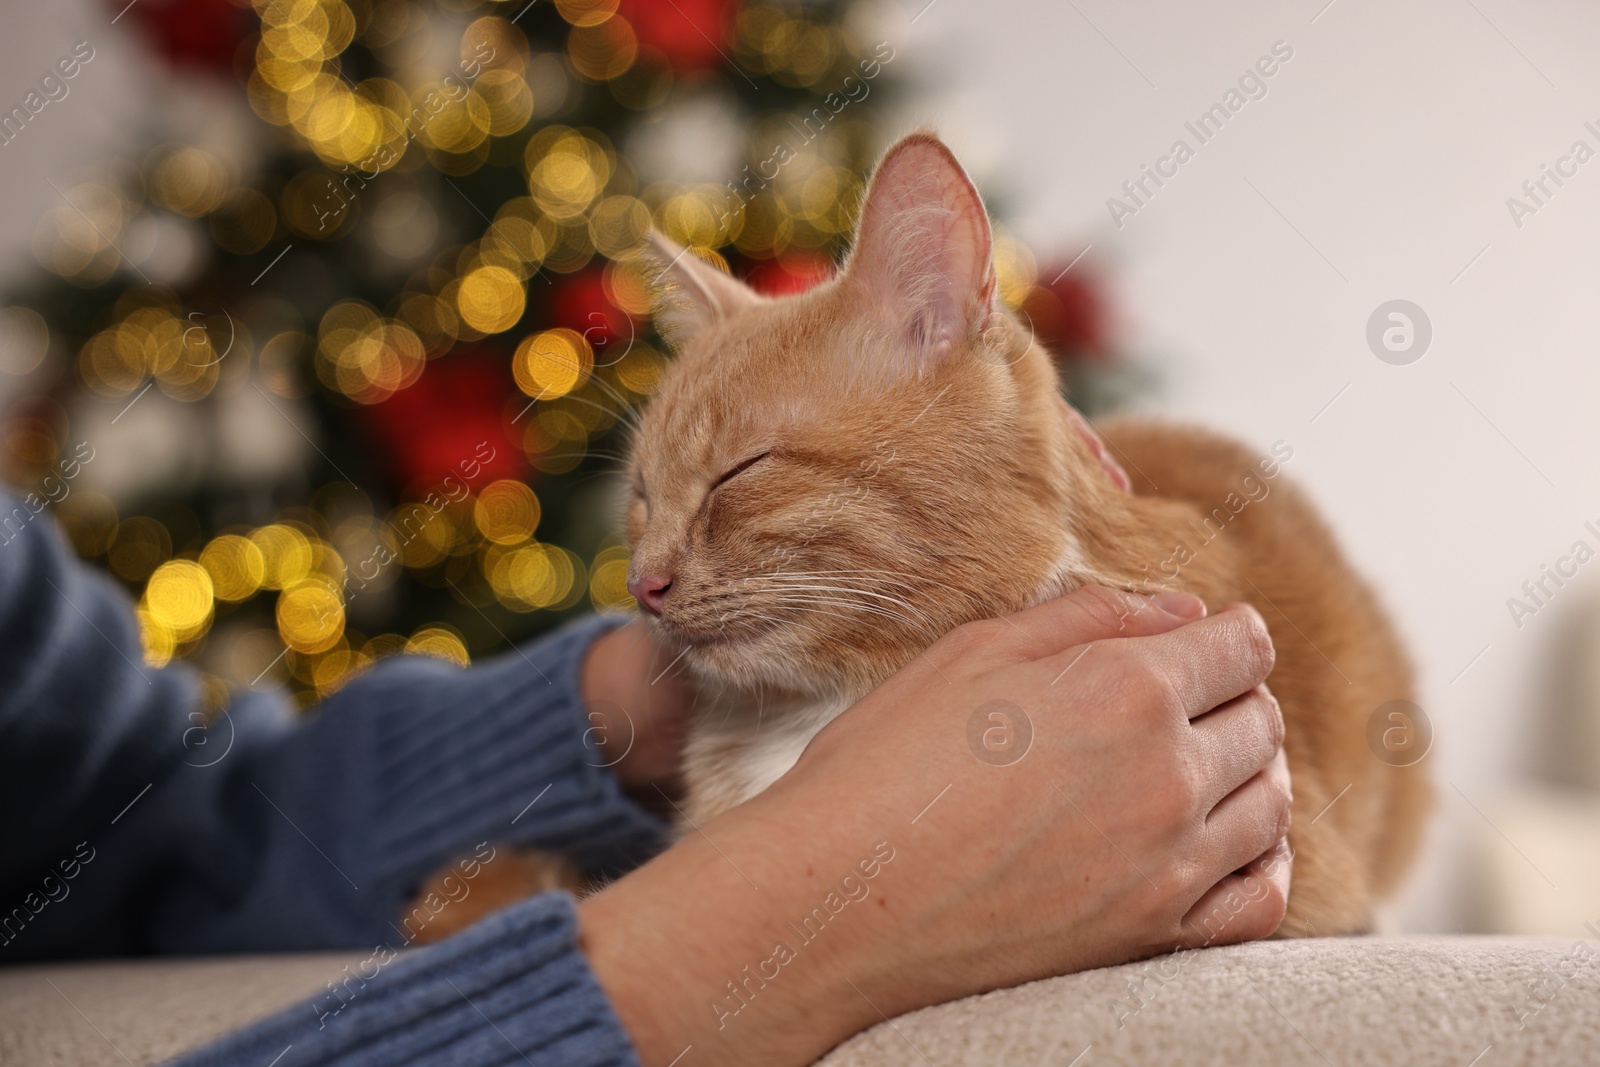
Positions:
{"x": 1451, "y": 1001}
{"x": 1341, "y": 1001}
{"x": 146, "y": 1011}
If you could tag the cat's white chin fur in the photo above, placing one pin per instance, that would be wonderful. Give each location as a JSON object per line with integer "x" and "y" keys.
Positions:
{"x": 734, "y": 756}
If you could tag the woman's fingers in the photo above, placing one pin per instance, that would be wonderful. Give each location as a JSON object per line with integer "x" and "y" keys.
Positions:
{"x": 1194, "y": 667}
{"x": 1246, "y": 831}
{"x": 1247, "y": 821}
{"x": 1096, "y": 613}
{"x": 1236, "y": 741}
{"x": 1208, "y": 663}
{"x": 1246, "y": 905}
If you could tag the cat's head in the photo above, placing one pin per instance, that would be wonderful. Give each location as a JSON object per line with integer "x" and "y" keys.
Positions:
{"x": 826, "y": 482}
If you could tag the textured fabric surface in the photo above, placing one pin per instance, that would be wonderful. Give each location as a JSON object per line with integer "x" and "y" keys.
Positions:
{"x": 1348, "y": 1002}
{"x": 1416, "y": 1002}
{"x": 70, "y": 1014}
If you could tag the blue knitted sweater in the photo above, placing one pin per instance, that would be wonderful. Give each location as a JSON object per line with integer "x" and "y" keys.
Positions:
{"x": 137, "y": 825}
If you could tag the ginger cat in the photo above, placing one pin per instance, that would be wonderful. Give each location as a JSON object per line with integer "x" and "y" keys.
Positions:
{"x": 826, "y": 482}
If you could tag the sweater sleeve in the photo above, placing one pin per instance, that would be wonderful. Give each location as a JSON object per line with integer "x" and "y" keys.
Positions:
{"x": 511, "y": 990}
{"x": 143, "y": 831}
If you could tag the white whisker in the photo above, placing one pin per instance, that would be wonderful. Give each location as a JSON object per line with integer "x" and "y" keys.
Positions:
{"x": 801, "y": 625}
{"x": 809, "y": 587}
{"x": 865, "y": 609}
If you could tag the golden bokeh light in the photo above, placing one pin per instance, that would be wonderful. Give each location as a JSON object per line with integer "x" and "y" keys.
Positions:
{"x": 497, "y": 43}
{"x": 179, "y": 597}
{"x": 285, "y": 555}
{"x": 516, "y": 243}
{"x": 618, "y": 225}
{"x": 180, "y": 353}
{"x": 337, "y": 666}
{"x": 549, "y": 364}
{"x": 364, "y": 356}
{"x": 310, "y": 616}
{"x": 189, "y": 181}
{"x": 280, "y": 365}
{"x": 533, "y": 576}
{"x": 508, "y": 99}
{"x": 626, "y": 286}
{"x": 571, "y": 250}
{"x": 640, "y": 370}
{"x": 506, "y": 512}
{"x": 608, "y": 580}
{"x": 455, "y": 123}
{"x": 555, "y": 440}
{"x": 425, "y": 538}
{"x": 316, "y": 205}
{"x": 567, "y": 170}
{"x": 696, "y": 220}
{"x": 236, "y": 566}
{"x": 490, "y": 299}
{"x": 372, "y": 548}
{"x": 603, "y": 51}
{"x": 440, "y": 642}
{"x": 293, "y": 83}
{"x": 586, "y": 12}
{"x": 433, "y": 318}
{"x": 1014, "y": 268}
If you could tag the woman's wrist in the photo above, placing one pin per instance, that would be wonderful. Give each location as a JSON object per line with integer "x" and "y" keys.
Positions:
{"x": 707, "y": 946}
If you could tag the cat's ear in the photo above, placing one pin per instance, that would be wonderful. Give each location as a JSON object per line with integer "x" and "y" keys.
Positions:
{"x": 923, "y": 253}
{"x": 691, "y": 294}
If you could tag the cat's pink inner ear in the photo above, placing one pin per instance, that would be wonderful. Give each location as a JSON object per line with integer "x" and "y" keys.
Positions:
{"x": 691, "y": 294}
{"x": 1097, "y": 448}
{"x": 923, "y": 251}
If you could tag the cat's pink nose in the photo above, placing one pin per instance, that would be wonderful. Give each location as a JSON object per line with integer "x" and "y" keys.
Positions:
{"x": 650, "y": 591}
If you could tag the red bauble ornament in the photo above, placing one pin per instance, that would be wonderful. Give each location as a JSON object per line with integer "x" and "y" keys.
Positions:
{"x": 1069, "y": 315}
{"x": 454, "y": 414}
{"x": 692, "y": 33}
{"x": 196, "y": 34}
{"x": 789, "y": 273}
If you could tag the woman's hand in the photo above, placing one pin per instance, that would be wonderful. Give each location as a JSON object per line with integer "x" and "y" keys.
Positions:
{"x": 638, "y": 701}
{"x": 905, "y": 860}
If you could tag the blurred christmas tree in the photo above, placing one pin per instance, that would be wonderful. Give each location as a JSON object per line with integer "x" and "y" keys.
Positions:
{"x": 345, "y": 373}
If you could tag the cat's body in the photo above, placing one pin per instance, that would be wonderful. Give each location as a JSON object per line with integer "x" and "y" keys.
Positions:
{"x": 825, "y": 484}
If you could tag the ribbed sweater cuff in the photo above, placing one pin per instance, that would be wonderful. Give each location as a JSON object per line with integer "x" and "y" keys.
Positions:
{"x": 517, "y": 766}
{"x": 513, "y": 989}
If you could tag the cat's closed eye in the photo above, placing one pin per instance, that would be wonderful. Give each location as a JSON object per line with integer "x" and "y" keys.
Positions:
{"x": 740, "y": 467}
{"x": 636, "y": 483}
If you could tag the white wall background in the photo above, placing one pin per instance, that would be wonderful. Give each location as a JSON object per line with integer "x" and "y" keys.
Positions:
{"x": 1377, "y": 167}
{"x": 111, "y": 102}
